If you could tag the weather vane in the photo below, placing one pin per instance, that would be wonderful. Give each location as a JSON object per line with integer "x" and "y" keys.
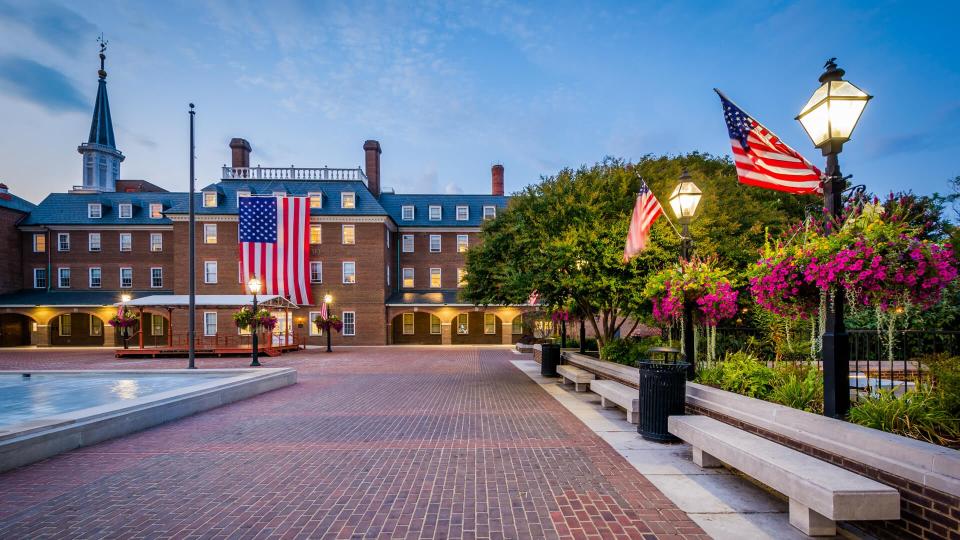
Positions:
{"x": 103, "y": 56}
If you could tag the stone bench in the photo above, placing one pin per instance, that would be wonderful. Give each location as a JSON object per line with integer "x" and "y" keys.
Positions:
{"x": 578, "y": 377}
{"x": 613, "y": 394}
{"x": 820, "y": 493}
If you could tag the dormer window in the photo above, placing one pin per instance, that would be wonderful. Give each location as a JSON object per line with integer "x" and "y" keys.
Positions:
{"x": 94, "y": 211}
{"x": 436, "y": 213}
{"x": 156, "y": 211}
{"x": 209, "y": 199}
{"x": 489, "y": 212}
{"x": 348, "y": 200}
{"x": 126, "y": 210}
{"x": 406, "y": 213}
{"x": 242, "y": 194}
{"x": 463, "y": 213}
{"x": 316, "y": 199}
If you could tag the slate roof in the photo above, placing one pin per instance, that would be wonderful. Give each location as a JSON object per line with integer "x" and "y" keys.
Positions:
{"x": 42, "y": 297}
{"x": 11, "y": 201}
{"x": 366, "y": 203}
{"x": 393, "y": 203}
{"x": 71, "y": 208}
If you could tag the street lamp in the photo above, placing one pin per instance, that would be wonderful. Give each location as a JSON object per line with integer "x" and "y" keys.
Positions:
{"x": 327, "y": 300}
{"x": 829, "y": 118}
{"x": 684, "y": 201}
{"x": 124, "y": 330}
{"x": 254, "y": 285}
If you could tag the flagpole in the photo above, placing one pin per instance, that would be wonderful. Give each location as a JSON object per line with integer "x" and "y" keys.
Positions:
{"x": 644, "y": 182}
{"x": 191, "y": 310}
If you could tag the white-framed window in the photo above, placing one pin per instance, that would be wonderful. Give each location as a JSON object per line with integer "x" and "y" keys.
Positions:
{"x": 434, "y": 243}
{"x": 126, "y": 277}
{"x": 463, "y": 324}
{"x": 156, "y": 277}
{"x": 489, "y": 212}
{"x": 516, "y": 326}
{"x": 388, "y": 238}
{"x": 96, "y": 326}
{"x": 316, "y": 272}
{"x": 408, "y": 329}
{"x": 94, "y": 210}
{"x": 348, "y": 234}
{"x": 209, "y": 199}
{"x": 63, "y": 241}
{"x": 39, "y": 278}
{"x": 407, "y": 278}
{"x": 436, "y": 213}
{"x": 314, "y": 330}
{"x": 209, "y": 323}
{"x": 407, "y": 243}
{"x": 461, "y": 277}
{"x": 435, "y": 280}
{"x": 242, "y": 194}
{"x": 463, "y": 213}
{"x": 156, "y": 210}
{"x": 434, "y": 324}
{"x": 126, "y": 210}
{"x": 156, "y": 241}
{"x": 156, "y": 325}
{"x": 39, "y": 243}
{"x": 63, "y": 278}
{"x": 316, "y": 199}
{"x": 349, "y": 320}
{"x": 66, "y": 325}
{"x": 406, "y": 212}
{"x": 349, "y": 272}
{"x": 489, "y": 323}
{"x": 463, "y": 242}
{"x": 209, "y": 233}
{"x": 95, "y": 277}
{"x": 93, "y": 241}
{"x": 126, "y": 241}
{"x": 316, "y": 234}
{"x": 348, "y": 199}
{"x": 388, "y": 274}
{"x": 210, "y": 272}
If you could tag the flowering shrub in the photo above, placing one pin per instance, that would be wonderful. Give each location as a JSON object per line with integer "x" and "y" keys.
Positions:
{"x": 126, "y": 319}
{"x": 332, "y": 321}
{"x": 560, "y": 315}
{"x": 262, "y": 319}
{"x": 698, "y": 281}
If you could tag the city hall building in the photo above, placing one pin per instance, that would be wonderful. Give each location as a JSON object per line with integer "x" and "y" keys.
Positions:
{"x": 393, "y": 263}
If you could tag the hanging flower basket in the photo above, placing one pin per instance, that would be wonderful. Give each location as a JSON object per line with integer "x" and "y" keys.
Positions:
{"x": 261, "y": 320}
{"x": 127, "y": 319}
{"x": 699, "y": 281}
{"x": 331, "y": 322}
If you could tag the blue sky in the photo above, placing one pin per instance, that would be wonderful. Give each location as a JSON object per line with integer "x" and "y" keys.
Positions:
{"x": 451, "y": 88}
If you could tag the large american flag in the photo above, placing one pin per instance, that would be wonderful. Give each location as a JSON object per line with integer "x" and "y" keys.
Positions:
{"x": 275, "y": 245}
{"x": 762, "y": 159}
{"x": 646, "y": 210}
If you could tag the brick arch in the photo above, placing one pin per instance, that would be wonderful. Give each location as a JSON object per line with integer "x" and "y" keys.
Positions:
{"x": 80, "y": 333}
{"x": 422, "y": 329}
{"x": 476, "y": 333}
{"x": 15, "y": 328}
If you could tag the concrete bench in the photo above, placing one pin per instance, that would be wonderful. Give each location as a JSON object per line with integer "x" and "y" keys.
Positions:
{"x": 613, "y": 394}
{"x": 578, "y": 377}
{"x": 820, "y": 493}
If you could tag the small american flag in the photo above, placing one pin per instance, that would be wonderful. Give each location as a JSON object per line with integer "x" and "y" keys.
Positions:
{"x": 275, "y": 244}
{"x": 646, "y": 210}
{"x": 762, "y": 159}
{"x": 323, "y": 311}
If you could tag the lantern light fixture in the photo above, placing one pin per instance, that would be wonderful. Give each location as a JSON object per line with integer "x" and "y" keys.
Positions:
{"x": 832, "y": 112}
{"x": 685, "y": 198}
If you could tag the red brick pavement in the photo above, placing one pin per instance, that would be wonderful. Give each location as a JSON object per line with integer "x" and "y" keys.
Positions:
{"x": 372, "y": 442}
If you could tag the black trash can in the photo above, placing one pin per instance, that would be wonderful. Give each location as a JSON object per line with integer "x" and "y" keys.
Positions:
{"x": 549, "y": 359}
{"x": 663, "y": 387}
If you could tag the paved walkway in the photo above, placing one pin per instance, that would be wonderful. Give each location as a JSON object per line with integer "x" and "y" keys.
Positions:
{"x": 372, "y": 442}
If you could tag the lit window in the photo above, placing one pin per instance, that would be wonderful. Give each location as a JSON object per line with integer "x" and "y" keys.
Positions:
{"x": 348, "y": 200}
{"x": 516, "y": 327}
{"x": 156, "y": 211}
{"x": 126, "y": 278}
{"x": 316, "y": 235}
{"x": 316, "y": 199}
{"x": 462, "y": 243}
{"x": 126, "y": 210}
{"x": 39, "y": 278}
{"x": 489, "y": 323}
{"x": 489, "y": 212}
{"x": 63, "y": 278}
{"x": 210, "y": 272}
{"x": 93, "y": 241}
{"x": 314, "y": 329}
{"x": 156, "y": 241}
{"x": 348, "y": 235}
{"x": 94, "y": 211}
{"x": 461, "y": 277}
{"x": 436, "y": 213}
{"x": 316, "y": 272}
{"x": 39, "y": 243}
{"x": 209, "y": 199}
{"x": 349, "y": 272}
{"x": 463, "y": 213}
{"x": 63, "y": 241}
{"x": 406, "y": 213}
{"x": 156, "y": 278}
{"x": 463, "y": 323}
{"x": 126, "y": 241}
{"x": 209, "y": 233}
{"x": 408, "y": 324}
{"x": 96, "y": 278}
{"x": 66, "y": 325}
{"x": 434, "y": 243}
{"x": 96, "y": 326}
{"x": 349, "y": 320}
{"x": 407, "y": 243}
{"x": 156, "y": 325}
{"x": 209, "y": 323}
{"x": 435, "y": 278}
{"x": 434, "y": 324}
{"x": 408, "y": 278}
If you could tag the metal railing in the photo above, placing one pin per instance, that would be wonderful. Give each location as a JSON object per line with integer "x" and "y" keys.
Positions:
{"x": 292, "y": 173}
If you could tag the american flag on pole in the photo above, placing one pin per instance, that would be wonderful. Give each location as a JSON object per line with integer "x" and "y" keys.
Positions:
{"x": 323, "y": 311}
{"x": 646, "y": 210}
{"x": 762, "y": 159}
{"x": 275, "y": 243}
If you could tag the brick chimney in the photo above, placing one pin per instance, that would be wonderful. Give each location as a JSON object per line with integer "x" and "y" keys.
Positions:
{"x": 496, "y": 172}
{"x": 241, "y": 152}
{"x": 372, "y": 151}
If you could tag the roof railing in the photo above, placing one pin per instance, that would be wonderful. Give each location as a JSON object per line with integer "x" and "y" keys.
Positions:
{"x": 292, "y": 173}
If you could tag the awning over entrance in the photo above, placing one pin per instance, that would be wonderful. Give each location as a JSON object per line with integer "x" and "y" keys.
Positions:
{"x": 210, "y": 301}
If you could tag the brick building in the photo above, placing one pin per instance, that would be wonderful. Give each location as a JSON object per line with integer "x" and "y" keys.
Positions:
{"x": 393, "y": 263}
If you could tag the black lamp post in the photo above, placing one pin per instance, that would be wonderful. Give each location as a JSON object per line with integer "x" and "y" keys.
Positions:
{"x": 254, "y": 286}
{"x": 124, "y": 330}
{"x": 684, "y": 201}
{"x": 829, "y": 118}
{"x": 327, "y": 300}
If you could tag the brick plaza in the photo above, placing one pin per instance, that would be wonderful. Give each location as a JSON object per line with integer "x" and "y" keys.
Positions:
{"x": 393, "y": 442}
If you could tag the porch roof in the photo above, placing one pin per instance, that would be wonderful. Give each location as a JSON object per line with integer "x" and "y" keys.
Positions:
{"x": 210, "y": 301}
